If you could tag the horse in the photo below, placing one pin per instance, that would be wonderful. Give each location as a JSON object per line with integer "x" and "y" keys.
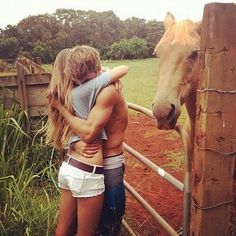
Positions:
{"x": 178, "y": 66}
{"x": 178, "y": 62}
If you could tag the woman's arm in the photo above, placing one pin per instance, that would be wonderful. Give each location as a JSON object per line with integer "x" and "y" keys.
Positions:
{"x": 98, "y": 117}
{"x": 117, "y": 73}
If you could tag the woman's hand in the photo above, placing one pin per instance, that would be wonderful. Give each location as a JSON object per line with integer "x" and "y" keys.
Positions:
{"x": 54, "y": 101}
{"x": 87, "y": 149}
{"x": 118, "y": 86}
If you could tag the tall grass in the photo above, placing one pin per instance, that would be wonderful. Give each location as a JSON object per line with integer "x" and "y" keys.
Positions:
{"x": 28, "y": 196}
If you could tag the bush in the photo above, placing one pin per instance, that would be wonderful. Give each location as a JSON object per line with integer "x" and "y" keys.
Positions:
{"x": 135, "y": 48}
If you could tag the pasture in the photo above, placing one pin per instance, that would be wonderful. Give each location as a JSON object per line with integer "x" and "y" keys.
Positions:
{"x": 28, "y": 173}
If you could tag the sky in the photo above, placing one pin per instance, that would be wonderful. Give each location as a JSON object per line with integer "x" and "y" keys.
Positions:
{"x": 12, "y": 11}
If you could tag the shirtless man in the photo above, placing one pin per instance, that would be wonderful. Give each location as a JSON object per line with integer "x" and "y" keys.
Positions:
{"x": 110, "y": 111}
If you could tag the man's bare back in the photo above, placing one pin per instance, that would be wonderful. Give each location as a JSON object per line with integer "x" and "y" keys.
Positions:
{"x": 115, "y": 128}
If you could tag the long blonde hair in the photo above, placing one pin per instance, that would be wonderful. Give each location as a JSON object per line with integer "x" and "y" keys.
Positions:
{"x": 58, "y": 131}
{"x": 71, "y": 68}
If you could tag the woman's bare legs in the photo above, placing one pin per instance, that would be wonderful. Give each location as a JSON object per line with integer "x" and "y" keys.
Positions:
{"x": 67, "y": 214}
{"x": 88, "y": 214}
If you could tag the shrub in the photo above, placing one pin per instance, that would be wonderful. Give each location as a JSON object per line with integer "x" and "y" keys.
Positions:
{"x": 135, "y": 48}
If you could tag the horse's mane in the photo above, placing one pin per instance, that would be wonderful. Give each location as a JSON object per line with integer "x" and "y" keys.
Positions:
{"x": 182, "y": 32}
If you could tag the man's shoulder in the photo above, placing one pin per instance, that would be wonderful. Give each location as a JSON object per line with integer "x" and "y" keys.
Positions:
{"x": 108, "y": 95}
{"x": 109, "y": 90}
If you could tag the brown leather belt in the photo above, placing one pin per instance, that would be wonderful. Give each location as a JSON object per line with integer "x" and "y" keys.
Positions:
{"x": 83, "y": 166}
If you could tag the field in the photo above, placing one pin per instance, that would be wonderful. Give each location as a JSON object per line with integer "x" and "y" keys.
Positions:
{"x": 28, "y": 170}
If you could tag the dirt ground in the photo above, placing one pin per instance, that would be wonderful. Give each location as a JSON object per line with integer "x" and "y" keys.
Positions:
{"x": 157, "y": 145}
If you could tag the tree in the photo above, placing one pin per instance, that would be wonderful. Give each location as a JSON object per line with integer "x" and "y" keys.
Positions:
{"x": 155, "y": 30}
{"x": 134, "y": 27}
{"x": 48, "y": 34}
{"x": 44, "y": 51}
{"x": 43, "y": 28}
{"x": 97, "y": 29}
{"x": 9, "y": 48}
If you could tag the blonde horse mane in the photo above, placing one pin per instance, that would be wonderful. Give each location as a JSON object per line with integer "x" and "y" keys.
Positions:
{"x": 182, "y": 32}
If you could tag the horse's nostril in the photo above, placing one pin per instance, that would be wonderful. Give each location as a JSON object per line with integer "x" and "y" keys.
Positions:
{"x": 172, "y": 112}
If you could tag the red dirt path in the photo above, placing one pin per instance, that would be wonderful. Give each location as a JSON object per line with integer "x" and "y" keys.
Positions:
{"x": 155, "y": 144}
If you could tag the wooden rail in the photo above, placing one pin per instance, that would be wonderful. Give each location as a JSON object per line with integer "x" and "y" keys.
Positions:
{"x": 28, "y": 87}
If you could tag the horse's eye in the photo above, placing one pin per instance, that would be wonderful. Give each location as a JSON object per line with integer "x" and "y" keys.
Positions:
{"x": 194, "y": 55}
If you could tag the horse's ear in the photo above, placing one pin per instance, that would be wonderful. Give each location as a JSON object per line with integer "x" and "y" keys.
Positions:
{"x": 169, "y": 20}
{"x": 198, "y": 27}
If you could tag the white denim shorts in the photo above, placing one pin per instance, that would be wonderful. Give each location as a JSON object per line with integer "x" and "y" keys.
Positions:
{"x": 79, "y": 182}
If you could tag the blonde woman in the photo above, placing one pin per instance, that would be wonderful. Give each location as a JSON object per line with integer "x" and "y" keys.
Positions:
{"x": 76, "y": 81}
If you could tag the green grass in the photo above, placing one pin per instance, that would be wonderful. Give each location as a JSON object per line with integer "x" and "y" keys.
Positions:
{"x": 48, "y": 67}
{"x": 139, "y": 85}
{"x": 7, "y": 73}
{"x": 175, "y": 160}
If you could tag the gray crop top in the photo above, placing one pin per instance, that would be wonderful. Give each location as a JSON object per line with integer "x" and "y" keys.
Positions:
{"x": 84, "y": 98}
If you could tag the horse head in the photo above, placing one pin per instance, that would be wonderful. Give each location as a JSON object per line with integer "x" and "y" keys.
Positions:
{"x": 177, "y": 53}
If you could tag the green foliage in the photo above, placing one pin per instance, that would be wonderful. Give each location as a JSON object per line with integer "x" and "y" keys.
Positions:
{"x": 135, "y": 48}
{"x": 9, "y": 47}
{"x": 135, "y": 27}
{"x": 44, "y": 51}
{"x": 28, "y": 203}
{"x": 154, "y": 32}
{"x": 47, "y": 34}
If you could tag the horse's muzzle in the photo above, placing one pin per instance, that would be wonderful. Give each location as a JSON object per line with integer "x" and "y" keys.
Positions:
{"x": 166, "y": 116}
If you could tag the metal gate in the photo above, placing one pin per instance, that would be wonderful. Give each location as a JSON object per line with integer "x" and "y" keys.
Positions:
{"x": 184, "y": 187}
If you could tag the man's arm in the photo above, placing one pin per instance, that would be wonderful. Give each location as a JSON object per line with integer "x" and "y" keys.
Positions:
{"x": 98, "y": 117}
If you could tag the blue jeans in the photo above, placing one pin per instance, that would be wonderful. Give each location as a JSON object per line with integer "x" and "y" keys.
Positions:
{"x": 114, "y": 202}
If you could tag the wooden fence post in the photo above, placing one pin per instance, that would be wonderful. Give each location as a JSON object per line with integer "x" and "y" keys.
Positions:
{"x": 215, "y": 138}
{"x": 22, "y": 86}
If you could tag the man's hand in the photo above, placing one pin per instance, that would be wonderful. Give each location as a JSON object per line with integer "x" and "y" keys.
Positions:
{"x": 87, "y": 149}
